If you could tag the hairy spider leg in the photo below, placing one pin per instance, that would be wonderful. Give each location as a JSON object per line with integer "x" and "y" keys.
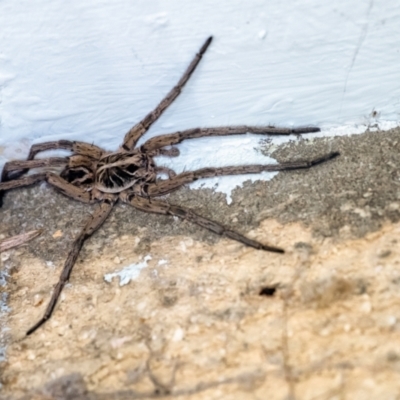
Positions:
{"x": 137, "y": 131}
{"x": 161, "y": 207}
{"x": 59, "y": 183}
{"x": 77, "y": 147}
{"x": 96, "y": 220}
{"x": 81, "y": 148}
{"x": 170, "y": 139}
{"x": 16, "y": 165}
{"x": 169, "y": 185}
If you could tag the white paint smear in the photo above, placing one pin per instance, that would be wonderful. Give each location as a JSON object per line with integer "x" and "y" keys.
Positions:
{"x": 128, "y": 273}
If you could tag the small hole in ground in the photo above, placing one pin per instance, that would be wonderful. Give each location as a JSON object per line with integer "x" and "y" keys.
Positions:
{"x": 268, "y": 291}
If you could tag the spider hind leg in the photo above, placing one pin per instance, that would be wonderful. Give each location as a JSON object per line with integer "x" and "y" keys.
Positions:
{"x": 167, "y": 186}
{"x": 13, "y": 170}
{"x": 94, "y": 223}
{"x": 161, "y": 207}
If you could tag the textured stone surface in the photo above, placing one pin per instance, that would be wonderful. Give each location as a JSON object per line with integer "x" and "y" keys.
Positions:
{"x": 197, "y": 326}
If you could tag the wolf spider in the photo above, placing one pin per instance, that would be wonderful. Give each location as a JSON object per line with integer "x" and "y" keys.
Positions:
{"x": 92, "y": 175}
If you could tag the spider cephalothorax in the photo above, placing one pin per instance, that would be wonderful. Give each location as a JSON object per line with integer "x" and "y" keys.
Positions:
{"x": 119, "y": 171}
{"x": 112, "y": 173}
{"x": 91, "y": 175}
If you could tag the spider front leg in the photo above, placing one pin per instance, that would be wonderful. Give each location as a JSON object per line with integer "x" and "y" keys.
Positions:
{"x": 81, "y": 148}
{"x": 161, "y": 207}
{"x": 94, "y": 223}
{"x": 174, "y": 138}
{"x": 141, "y": 128}
{"x": 60, "y": 184}
{"x": 75, "y": 146}
{"x": 10, "y": 171}
{"x": 17, "y": 165}
{"x": 167, "y": 186}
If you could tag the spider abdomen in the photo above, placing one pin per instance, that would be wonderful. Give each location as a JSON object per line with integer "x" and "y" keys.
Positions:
{"x": 119, "y": 171}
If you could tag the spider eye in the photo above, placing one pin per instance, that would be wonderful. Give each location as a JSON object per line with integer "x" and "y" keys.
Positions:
{"x": 132, "y": 168}
{"x": 80, "y": 175}
{"x": 76, "y": 174}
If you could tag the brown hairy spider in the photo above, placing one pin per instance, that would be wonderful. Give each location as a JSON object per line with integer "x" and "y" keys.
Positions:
{"x": 92, "y": 175}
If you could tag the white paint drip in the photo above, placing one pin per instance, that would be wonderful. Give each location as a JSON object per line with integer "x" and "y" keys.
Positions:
{"x": 128, "y": 273}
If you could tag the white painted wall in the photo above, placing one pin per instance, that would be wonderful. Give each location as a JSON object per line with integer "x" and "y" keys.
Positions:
{"x": 89, "y": 70}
